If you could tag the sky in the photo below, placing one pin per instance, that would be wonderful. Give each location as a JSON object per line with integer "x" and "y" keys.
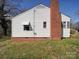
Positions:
{"x": 68, "y": 7}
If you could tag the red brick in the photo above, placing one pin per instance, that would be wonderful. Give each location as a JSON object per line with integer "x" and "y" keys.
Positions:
{"x": 55, "y": 20}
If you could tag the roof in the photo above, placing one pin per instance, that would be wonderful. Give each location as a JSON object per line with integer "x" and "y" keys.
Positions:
{"x": 38, "y": 6}
{"x": 65, "y": 14}
{"x": 41, "y": 6}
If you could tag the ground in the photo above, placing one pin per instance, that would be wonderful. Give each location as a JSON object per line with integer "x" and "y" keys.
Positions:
{"x": 67, "y": 48}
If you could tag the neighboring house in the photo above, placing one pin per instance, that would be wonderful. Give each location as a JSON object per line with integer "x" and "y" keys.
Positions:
{"x": 36, "y": 22}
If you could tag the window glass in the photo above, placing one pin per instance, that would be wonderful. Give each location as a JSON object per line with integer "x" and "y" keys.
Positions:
{"x": 44, "y": 24}
{"x": 64, "y": 24}
{"x": 68, "y": 24}
{"x": 27, "y": 27}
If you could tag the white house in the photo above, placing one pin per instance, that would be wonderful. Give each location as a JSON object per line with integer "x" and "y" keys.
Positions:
{"x": 36, "y": 22}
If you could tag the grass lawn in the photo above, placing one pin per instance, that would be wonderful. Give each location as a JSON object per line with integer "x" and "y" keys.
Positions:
{"x": 48, "y": 49}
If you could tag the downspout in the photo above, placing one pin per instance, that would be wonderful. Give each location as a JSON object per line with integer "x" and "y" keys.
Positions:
{"x": 34, "y": 33}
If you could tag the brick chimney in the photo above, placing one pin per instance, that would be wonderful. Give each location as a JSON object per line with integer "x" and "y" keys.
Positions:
{"x": 55, "y": 20}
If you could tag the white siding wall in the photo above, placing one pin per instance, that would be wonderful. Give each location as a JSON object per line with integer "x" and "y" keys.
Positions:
{"x": 66, "y": 31}
{"x": 17, "y": 24}
{"x": 41, "y": 14}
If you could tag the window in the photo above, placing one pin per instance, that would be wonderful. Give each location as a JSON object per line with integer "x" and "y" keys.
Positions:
{"x": 64, "y": 24}
{"x": 44, "y": 24}
{"x": 68, "y": 24}
{"x": 27, "y": 27}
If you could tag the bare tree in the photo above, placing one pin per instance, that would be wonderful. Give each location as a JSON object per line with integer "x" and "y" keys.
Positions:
{"x": 8, "y": 7}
